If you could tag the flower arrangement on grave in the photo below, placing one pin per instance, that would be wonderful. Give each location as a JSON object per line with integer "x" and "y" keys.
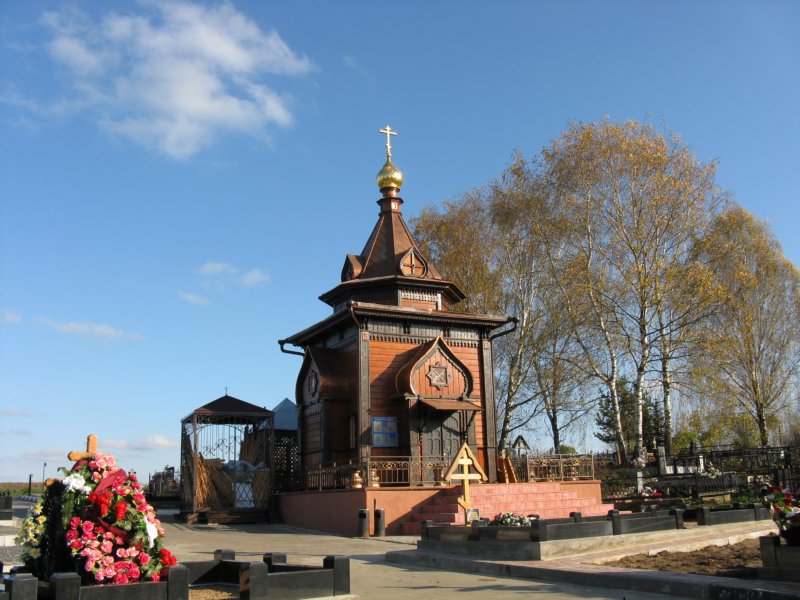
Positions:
{"x": 639, "y": 462}
{"x": 785, "y": 508}
{"x": 509, "y": 519}
{"x": 95, "y": 521}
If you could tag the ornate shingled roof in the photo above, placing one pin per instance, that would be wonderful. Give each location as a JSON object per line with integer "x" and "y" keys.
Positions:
{"x": 391, "y": 257}
{"x": 229, "y": 406}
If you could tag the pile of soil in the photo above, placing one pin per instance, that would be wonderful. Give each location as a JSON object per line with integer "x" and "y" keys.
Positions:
{"x": 737, "y": 560}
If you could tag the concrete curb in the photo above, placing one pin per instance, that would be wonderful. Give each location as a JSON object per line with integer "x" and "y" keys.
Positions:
{"x": 674, "y": 584}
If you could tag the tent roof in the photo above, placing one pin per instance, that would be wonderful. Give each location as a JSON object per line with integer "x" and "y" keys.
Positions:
{"x": 286, "y": 415}
{"x": 229, "y": 406}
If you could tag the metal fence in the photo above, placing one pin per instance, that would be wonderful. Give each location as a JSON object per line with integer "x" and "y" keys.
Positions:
{"x": 554, "y": 467}
{"x": 694, "y": 485}
{"x": 388, "y": 471}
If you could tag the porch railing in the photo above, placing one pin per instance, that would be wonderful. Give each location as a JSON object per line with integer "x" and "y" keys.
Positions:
{"x": 404, "y": 471}
{"x": 388, "y": 471}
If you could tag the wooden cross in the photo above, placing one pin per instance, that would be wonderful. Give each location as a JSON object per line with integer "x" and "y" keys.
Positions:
{"x": 463, "y": 461}
{"x": 76, "y": 455}
{"x": 389, "y": 132}
{"x": 91, "y": 450}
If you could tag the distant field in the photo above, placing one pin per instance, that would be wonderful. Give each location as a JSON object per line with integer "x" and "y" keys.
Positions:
{"x": 18, "y": 488}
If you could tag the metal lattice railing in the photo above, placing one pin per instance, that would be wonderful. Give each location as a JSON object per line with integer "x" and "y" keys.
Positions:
{"x": 385, "y": 472}
{"x": 554, "y": 467}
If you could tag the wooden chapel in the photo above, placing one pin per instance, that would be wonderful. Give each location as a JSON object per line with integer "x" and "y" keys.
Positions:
{"x": 395, "y": 372}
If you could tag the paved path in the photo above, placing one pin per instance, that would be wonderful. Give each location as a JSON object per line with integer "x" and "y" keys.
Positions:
{"x": 371, "y": 576}
{"x": 407, "y": 577}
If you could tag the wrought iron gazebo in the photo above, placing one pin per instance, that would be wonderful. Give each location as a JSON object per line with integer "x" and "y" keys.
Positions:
{"x": 226, "y": 462}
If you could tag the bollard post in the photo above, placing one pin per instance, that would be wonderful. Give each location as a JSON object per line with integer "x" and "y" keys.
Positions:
{"x": 363, "y": 522}
{"x": 380, "y": 522}
{"x": 341, "y": 573}
{"x": 66, "y": 586}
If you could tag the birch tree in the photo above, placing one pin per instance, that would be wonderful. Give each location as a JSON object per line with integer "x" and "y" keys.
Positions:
{"x": 751, "y": 346}
{"x": 636, "y": 202}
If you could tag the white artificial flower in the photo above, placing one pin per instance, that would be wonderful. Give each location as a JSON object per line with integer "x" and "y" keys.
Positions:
{"x": 74, "y": 482}
{"x": 152, "y": 533}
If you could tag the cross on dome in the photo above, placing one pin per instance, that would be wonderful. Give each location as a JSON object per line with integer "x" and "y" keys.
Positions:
{"x": 389, "y": 132}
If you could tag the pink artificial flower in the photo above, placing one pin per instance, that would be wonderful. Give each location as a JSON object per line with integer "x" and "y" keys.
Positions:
{"x": 106, "y": 546}
{"x": 87, "y": 526}
{"x": 75, "y": 544}
{"x": 144, "y": 558}
{"x": 100, "y": 463}
{"x": 155, "y": 577}
{"x": 74, "y": 522}
{"x": 71, "y": 535}
{"x": 121, "y": 578}
{"x": 96, "y": 476}
{"x": 139, "y": 499}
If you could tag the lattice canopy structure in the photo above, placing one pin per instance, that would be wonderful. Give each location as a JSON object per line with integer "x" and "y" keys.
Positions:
{"x": 227, "y": 465}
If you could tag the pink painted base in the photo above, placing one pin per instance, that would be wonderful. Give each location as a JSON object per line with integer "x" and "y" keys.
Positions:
{"x": 405, "y": 509}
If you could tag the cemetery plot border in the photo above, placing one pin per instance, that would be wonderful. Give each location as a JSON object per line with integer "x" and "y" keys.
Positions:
{"x": 271, "y": 578}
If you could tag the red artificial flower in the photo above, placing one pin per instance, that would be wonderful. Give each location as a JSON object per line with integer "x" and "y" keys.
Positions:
{"x": 122, "y": 508}
{"x": 167, "y": 558}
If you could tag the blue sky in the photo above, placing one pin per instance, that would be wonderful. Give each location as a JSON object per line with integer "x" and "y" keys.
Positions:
{"x": 180, "y": 181}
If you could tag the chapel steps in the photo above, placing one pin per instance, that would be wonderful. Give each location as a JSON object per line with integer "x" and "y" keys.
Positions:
{"x": 549, "y": 500}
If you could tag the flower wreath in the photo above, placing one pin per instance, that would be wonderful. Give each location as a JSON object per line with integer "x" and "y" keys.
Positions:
{"x": 96, "y": 521}
{"x": 785, "y": 508}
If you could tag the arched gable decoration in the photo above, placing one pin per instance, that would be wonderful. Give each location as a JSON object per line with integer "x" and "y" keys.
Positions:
{"x": 435, "y": 375}
{"x": 412, "y": 264}
{"x": 352, "y": 268}
{"x": 326, "y": 374}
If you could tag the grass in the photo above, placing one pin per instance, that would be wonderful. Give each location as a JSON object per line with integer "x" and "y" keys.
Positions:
{"x": 20, "y": 488}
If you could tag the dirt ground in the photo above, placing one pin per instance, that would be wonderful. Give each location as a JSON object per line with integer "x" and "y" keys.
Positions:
{"x": 737, "y": 560}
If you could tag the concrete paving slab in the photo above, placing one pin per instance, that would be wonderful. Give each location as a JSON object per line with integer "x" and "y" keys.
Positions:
{"x": 372, "y": 577}
{"x": 589, "y": 568}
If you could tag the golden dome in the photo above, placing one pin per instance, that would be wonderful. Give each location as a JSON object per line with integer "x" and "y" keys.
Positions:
{"x": 389, "y": 176}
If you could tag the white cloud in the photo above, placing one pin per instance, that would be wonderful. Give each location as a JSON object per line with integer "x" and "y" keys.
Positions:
{"x": 142, "y": 444}
{"x": 52, "y": 455}
{"x": 156, "y": 442}
{"x": 11, "y": 316}
{"x": 253, "y": 277}
{"x": 193, "y": 298}
{"x": 16, "y": 412}
{"x": 112, "y": 444}
{"x": 218, "y": 275}
{"x": 175, "y": 76}
{"x": 76, "y": 55}
{"x": 217, "y": 268}
{"x": 90, "y": 330}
